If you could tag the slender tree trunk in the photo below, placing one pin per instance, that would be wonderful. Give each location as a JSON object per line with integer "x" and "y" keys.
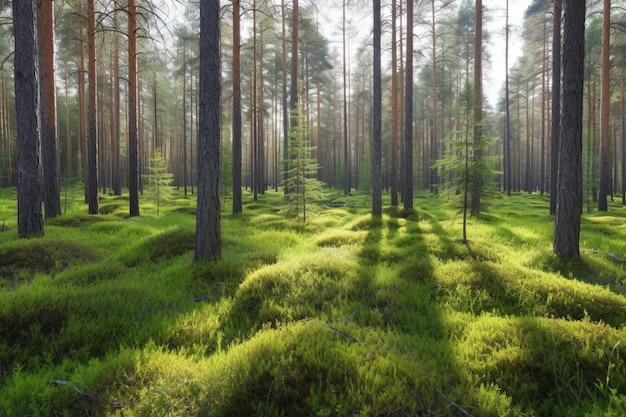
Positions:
{"x": 92, "y": 122}
{"x": 284, "y": 98}
{"x": 569, "y": 189}
{"x": 408, "y": 112}
{"x": 117, "y": 166}
{"x": 605, "y": 110}
{"x": 208, "y": 233}
{"x": 346, "y": 148}
{"x": 133, "y": 103}
{"x": 377, "y": 202}
{"x": 507, "y": 109}
{"x": 478, "y": 107}
{"x": 542, "y": 152}
{"x": 393, "y": 169}
{"x": 556, "y": 102}
{"x": 434, "y": 139}
{"x": 29, "y": 169}
{"x": 48, "y": 108}
{"x": 236, "y": 117}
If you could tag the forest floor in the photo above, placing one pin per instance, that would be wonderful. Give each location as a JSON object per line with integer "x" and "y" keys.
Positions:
{"x": 341, "y": 316}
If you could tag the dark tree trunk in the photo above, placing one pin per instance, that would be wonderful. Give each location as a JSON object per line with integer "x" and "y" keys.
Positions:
{"x": 569, "y": 188}
{"x": 133, "y": 131}
{"x": 48, "y": 108}
{"x": 605, "y": 110}
{"x": 407, "y": 196}
{"x": 208, "y": 234}
{"x": 237, "y": 191}
{"x": 29, "y": 169}
{"x": 393, "y": 169}
{"x": 477, "y": 181}
{"x": 92, "y": 122}
{"x": 377, "y": 202}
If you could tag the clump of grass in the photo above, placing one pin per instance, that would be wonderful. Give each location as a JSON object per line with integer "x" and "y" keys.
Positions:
{"x": 161, "y": 247}
{"x": 23, "y": 259}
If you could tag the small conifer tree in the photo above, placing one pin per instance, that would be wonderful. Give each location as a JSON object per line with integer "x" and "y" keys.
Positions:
{"x": 460, "y": 169}
{"x": 158, "y": 180}
{"x": 301, "y": 179}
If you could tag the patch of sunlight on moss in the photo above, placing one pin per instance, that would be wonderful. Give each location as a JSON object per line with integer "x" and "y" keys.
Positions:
{"x": 337, "y": 238}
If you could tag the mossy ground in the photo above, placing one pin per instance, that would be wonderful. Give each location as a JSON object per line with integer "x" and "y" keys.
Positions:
{"x": 344, "y": 315}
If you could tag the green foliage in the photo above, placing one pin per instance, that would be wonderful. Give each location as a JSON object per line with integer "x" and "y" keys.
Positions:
{"x": 346, "y": 315}
{"x": 159, "y": 181}
{"x": 302, "y": 184}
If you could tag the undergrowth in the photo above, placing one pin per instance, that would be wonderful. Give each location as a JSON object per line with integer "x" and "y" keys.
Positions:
{"x": 343, "y": 315}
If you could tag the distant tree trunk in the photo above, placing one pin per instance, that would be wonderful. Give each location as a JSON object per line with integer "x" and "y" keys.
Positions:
{"x": 29, "y": 169}
{"x": 92, "y": 122}
{"x": 605, "y": 110}
{"x": 478, "y": 106}
{"x": 507, "y": 109}
{"x": 133, "y": 132}
{"x": 82, "y": 113}
{"x": 208, "y": 234}
{"x": 407, "y": 196}
{"x": 393, "y": 169}
{"x": 346, "y": 150}
{"x": 48, "y": 108}
{"x": 434, "y": 140}
{"x": 236, "y": 117}
{"x": 284, "y": 98}
{"x": 623, "y": 117}
{"x": 377, "y": 185}
{"x": 556, "y": 102}
{"x": 117, "y": 168}
{"x": 569, "y": 189}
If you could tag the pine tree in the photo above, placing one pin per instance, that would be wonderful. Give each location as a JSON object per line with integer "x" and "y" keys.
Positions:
{"x": 159, "y": 180}
{"x": 460, "y": 168}
{"x": 301, "y": 179}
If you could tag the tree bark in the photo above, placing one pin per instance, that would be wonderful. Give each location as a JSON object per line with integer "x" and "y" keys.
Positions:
{"x": 48, "y": 108}
{"x": 569, "y": 188}
{"x": 477, "y": 182}
{"x": 377, "y": 202}
{"x": 556, "y": 102}
{"x": 133, "y": 152}
{"x": 29, "y": 168}
{"x": 393, "y": 169}
{"x": 208, "y": 234}
{"x": 92, "y": 120}
{"x": 236, "y": 117}
{"x": 605, "y": 109}
{"x": 407, "y": 196}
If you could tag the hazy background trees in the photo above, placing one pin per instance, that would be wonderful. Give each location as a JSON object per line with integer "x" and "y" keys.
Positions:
{"x": 117, "y": 105}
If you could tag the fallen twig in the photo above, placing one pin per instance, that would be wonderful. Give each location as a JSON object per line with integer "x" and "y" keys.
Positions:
{"x": 455, "y": 405}
{"x": 609, "y": 254}
{"x": 72, "y": 386}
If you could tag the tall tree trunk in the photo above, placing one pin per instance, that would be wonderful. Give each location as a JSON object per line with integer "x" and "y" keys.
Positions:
{"x": 605, "y": 110}
{"x": 377, "y": 202}
{"x": 507, "y": 109}
{"x": 29, "y": 169}
{"x": 477, "y": 182}
{"x": 208, "y": 233}
{"x": 407, "y": 196}
{"x": 117, "y": 166}
{"x": 92, "y": 122}
{"x": 133, "y": 132}
{"x": 569, "y": 189}
{"x": 82, "y": 108}
{"x": 48, "y": 108}
{"x": 346, "y": 148}
{"x": 556, "y": 102}
{"x": 284, "y": 98}
{"x": 542, "y": 152}
{"x": 434, "y": 140}
{"x": 393, "y": 169}
{"x": 236, "y": 117}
